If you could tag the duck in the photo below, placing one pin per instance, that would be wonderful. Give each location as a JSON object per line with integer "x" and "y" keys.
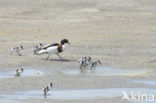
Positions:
{"x": 16, "y": 49}
{"x": 55, "y": 48}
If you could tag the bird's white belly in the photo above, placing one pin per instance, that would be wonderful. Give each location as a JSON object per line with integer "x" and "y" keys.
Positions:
{"x": 63, "y": 47}
{"x": 52, "y": 50}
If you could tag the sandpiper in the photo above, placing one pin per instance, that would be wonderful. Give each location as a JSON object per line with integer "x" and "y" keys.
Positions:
{"x": 44, "y": 91}
{"x": 16, "y": 49}
{"x": 51, "y": 85}
{"x": 37, "y": 48}
{"x": 47, "y": 88}
{"x": 94, "y": 64}
{"x": 84, "y": 62}
{"x": 19, "y": 71}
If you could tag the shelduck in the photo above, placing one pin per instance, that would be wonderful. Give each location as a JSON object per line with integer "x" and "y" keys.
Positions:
{"x": 55, "y": 48}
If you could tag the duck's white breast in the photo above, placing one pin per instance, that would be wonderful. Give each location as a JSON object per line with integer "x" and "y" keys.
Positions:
{"x": 52, "y": 49}
{"x": 63, "y": 47}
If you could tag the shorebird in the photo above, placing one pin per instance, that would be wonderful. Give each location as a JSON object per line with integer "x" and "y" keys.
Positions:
{"x": 55, "y": 48}
{"x": 19, "y": 71}
{"x": 47, "y": 88}
{"x": 44, "y": 91}
{"x": 37, "y": 48}
{"x": 94, "y": 64}
{"x": 50, "y": 85}
{"x": 85, "y": 61}
{"x": 16, "y": 49}
{"x": 83, "y": 64}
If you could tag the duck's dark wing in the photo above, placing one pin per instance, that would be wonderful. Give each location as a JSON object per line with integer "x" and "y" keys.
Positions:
{"x": 47, "y": 46}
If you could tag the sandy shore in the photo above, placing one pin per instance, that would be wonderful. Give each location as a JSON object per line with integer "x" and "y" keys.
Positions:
{"x": 120, "y": 33}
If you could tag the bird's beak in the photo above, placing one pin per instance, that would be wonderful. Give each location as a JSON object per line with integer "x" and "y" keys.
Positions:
{"x": 69, "y": 43}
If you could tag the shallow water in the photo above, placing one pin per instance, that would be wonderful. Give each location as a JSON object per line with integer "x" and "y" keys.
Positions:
{"x": 146, "y": 82}
{"x": 26, "y": 73}
{"x": 102, "y": 71}
{"x": 5, "y": 100}
{"x": 78, "y": 94}
{"x": 105, "y": 71}
{"x": 8, "y": 101}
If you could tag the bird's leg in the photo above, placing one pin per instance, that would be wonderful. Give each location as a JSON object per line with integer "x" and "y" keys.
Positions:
{"x": 48, "y": 56}
{"x": 35, "y": 52}
{"x": 59, "y": 56}
{"x": 19, "y": 54}
{"x": 92, "y": 66}
{"x": 81, "y": 66}
{"x": 11, "y": 53}
{"x": 45, "y": 95}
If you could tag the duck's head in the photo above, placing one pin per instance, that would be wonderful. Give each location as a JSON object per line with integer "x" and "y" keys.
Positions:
{"x": 63, "y": 41}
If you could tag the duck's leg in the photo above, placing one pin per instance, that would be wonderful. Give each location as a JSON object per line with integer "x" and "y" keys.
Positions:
{"x": 59, "y": 56}
{"x": 48, "y": 56}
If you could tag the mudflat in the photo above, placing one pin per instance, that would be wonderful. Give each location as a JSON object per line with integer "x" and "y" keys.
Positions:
{"x": 121, "y": 33}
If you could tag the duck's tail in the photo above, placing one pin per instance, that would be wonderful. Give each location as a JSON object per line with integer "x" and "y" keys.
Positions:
{"x": 42, "y": 52}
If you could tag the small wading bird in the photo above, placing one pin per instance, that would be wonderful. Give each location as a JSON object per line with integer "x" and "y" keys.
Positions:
{"x": 85, "y": 61}
{"x": 55, "y": 48}
{"x": 47, "y": 89}
{"x": 19, "y": 71}
{"x": 16, "y": 49}
{"x": 94, "y": 64}
{"x": 37, "y": 48}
